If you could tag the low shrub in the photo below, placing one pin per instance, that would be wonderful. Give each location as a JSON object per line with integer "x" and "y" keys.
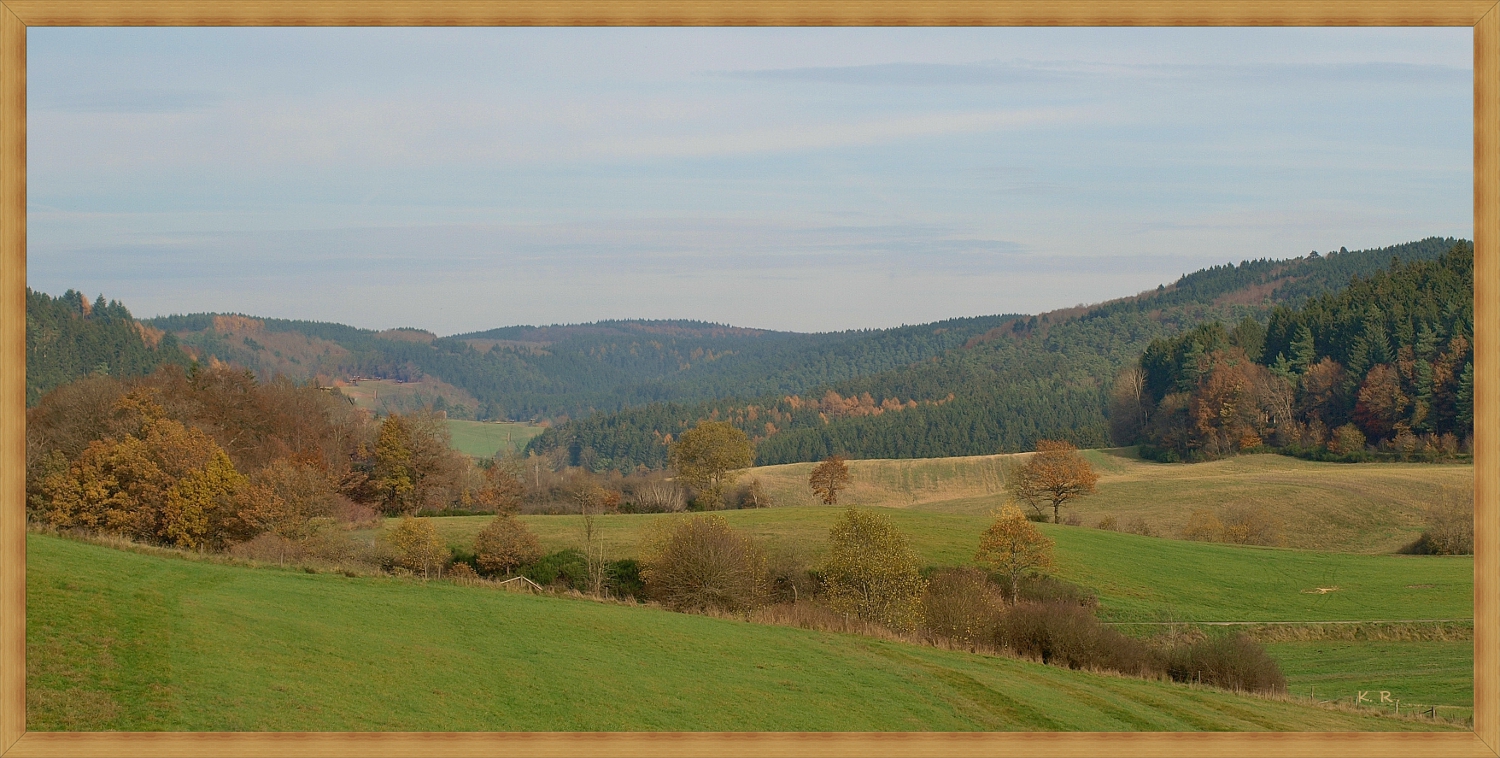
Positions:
{"x": 701, "y": 563}
{"x": 961, "y": 605}
{"x": 623, "y": 578}
{"x": 1046, "y": 589}
{"x": 789, "y": 579}
{"x": 567, "y": 568}
{"x": 1449, "y": 526}
{"x": 462, "y": 573}
{"x": 1108, "y": 523}
{"x": 1072, "y": 519}
{"x": 1066, "y": 634}
{"x": 1140, "y": 526}
{"x": 1235, "y": 662}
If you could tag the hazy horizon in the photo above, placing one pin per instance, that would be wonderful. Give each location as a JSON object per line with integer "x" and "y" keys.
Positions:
{"x": 809, "y": 180}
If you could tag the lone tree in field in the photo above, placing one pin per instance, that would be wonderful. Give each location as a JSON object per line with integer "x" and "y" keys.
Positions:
{"x": 1055, "y": 475}
{"x": 829, "y": 478}
{"x": 1014, "y": 547}
{"x": 417, "y": 545}
{"x": 707, "y": 456}
{"x": 702, "y": 564}
{"x": 504, "y": 544}
{"x": 871, "y": 573}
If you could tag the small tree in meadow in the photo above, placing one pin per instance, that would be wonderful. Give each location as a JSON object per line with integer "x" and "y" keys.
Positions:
{"x": 829, "y": 478}
{"x": 417, "y": 545}
{"x": 701, "y": 563}
{"x": 1054, "y": 475}
{"x": 871, "y": 573}
{"x": 707, "y": 457}
{"x": 1014, "y": 547}
{"x": 504, "y": 544}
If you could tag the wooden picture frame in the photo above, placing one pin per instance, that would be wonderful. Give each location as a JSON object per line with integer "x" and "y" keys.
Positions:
{"x": 17, "y": 15}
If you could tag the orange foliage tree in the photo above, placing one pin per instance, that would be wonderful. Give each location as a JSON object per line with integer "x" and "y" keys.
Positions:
{"x": 1055, "y": 475}
{"x": 829, "y": 478}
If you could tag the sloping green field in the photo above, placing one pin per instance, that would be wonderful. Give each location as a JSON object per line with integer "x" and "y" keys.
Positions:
{"x": 1137, "y": 578}
{"x": 123, "y": 641}
{"x": 482, "y": 439}
{"x": 1418, "y": 673}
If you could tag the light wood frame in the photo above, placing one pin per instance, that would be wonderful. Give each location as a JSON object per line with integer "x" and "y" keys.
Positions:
{"x": 17, "y": 15}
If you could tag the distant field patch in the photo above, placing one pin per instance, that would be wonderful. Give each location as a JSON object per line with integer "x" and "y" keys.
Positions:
{"x": 482, "y": 439}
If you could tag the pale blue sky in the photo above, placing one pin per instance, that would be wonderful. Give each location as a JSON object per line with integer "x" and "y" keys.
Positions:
{"x": 804, "y": 179}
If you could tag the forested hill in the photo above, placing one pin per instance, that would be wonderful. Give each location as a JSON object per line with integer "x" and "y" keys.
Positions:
{"x": 68, "y": 337}
{"x": 1382, "y": 366}
{"x": 1027, "y": 378}
{"x": 555, "y": 372}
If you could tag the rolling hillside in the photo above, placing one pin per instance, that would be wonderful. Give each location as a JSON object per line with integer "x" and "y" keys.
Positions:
{"x": 1361, "y": 507}
{"x": 123, "y": 641}
{"x": 1029, "y": 378}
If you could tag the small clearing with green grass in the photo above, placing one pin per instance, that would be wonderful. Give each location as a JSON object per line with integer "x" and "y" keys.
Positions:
{"x": 118, "y": 640}
{"x": 482, "y": 439}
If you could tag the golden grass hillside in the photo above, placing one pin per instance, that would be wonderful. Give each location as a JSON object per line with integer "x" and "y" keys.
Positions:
{"x": 1356, "y": 507}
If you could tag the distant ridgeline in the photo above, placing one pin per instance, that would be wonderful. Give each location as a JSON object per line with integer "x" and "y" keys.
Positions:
{"x": 68, "y": 338}
{"x": 1024, "y": 379}
{"x": 1386, "y": 362}
{"x": 618, "y": 391}
{"x": 558, "y": 372}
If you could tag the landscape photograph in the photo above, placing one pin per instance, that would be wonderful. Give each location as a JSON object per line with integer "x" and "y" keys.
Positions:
{"x": 750, "y": 380}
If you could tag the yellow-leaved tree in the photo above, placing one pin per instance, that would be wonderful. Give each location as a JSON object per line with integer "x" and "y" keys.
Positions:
{"x": 163, "y": 482}
{"x": 871, "y": 572}
{"x": 417, "y": 545}
{"x": 707, "y": 458}
{"x": 1014, "y": 547}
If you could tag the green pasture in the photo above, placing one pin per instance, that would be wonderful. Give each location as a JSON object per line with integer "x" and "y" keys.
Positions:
{"x": 1418, "y": 673}
{"x": 482, "y": 439}
{"x": 1137, "y": 578}
{"x": 117, "y": 640}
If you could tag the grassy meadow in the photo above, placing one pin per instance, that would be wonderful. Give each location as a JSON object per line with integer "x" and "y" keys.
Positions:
{"x": 482, "y": 439}
{"x": 1419, "y": 673}
{"x": 1137, "y": 578}
{"x": 1359, "y": 507}
{"x": 118, "y": 640}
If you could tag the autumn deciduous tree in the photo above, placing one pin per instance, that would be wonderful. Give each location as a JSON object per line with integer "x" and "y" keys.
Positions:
{"x": 829, "y": 478}
{"x": 417, "y": 545}
{"x": 1055, "y": 475}
{"x": 164, "y": 483}
{"x": 707, "y": 456}
{"x": 701, "y": 563}
{"x": 1014, "y": 547}
{"x": 871, "y": 573}
{"x": 394, "y": 477}
{"x": 504, "y": 544}
{"x": 501, "y": 490}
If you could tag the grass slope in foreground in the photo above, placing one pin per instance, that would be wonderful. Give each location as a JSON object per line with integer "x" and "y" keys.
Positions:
{"x": 1137, "y": 578}
{"x": 123, "y": 641}
{"x": 1418, "y": 673}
